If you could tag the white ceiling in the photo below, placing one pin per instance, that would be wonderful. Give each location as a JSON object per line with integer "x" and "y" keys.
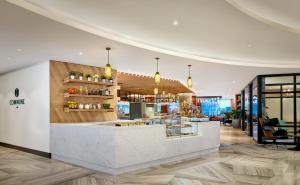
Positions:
{"x": 207, "y": 30}
{"x": 41, "y": 39}
{"x": 280, "y": 13}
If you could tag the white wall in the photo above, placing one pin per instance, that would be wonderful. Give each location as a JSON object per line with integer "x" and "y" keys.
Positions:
{"x": 27, "y": 126}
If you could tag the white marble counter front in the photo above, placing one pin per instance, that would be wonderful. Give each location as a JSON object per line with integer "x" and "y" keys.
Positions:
{"x": 117, "y": 150}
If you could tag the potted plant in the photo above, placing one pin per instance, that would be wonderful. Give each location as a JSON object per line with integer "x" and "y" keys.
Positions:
{"x": 103, "y": 79}
{"x": 106, "y": 106}
{"x": 235, "y": 118}
{"x": 110, "y": 80}
{"x": 80, "y": 75}
{"x": 96, "y": 78}
{"x": 89, "y": 77}
{"x": 72, "y": 75}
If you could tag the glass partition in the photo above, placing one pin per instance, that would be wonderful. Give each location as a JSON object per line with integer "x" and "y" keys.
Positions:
{"x": 298, "y": 113}
{"x": 248, "y": 112}
{"x": 279, "y": 80}
{"x": 298, "y": 79}
{"x": 278, "y": 103}
{"x": 255, "y": 109}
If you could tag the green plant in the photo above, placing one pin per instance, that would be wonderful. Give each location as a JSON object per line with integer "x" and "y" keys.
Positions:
{"x": 80, "y": 74}
{"x": 88, "y": 76}
{"x": 72, "y": 73}
{"x": 103, "y": 77}
{"x": 106, "y": 105}
{"x": 227, "y": 115}
{"x": 96, "y": 76}
{"x": 110, "y": 78}
{"x": 235, "y": 114}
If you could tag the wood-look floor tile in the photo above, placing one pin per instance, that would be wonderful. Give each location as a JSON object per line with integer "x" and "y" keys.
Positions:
{"x": 237, "y": 163}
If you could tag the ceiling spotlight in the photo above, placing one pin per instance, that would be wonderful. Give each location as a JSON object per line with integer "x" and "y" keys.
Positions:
{"x": 175, "y": 22}
{"x": 233, "y": 81}
{"x": 19, "y": 50}
{"x": 8, "y": 58}
{"x": 80, "y": 53}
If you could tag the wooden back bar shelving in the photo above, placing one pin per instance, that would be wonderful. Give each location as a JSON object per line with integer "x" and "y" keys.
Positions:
{"x": 60, "y": 82}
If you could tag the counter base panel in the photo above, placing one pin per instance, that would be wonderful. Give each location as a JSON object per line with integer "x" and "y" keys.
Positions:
{"x": 116, "y": 150}
{"x": 118, "y": 171}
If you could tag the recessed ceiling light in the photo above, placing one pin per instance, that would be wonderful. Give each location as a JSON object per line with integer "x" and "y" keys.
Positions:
{"x": 175, "y": 22}
{"x": 233, "y": 81}
{"x": 19, "y": 49}
{"x": 8, "y": 58}
{"x": 80, "y": 53}
{"x": 249, "y": 45}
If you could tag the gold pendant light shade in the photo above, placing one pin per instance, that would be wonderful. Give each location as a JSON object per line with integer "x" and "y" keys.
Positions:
{"x": 107, "y": 71}
{"x": 189, "y": 79}
{"x": 157, "y": 78}
{"x": 157, "y": 75}
{"x": 108, "y": 66}
{"x": 189, "y": 82}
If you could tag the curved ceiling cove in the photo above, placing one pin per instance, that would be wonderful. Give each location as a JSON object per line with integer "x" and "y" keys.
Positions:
{"x": 284, "y": 14}
{"x": 203, "y": 30}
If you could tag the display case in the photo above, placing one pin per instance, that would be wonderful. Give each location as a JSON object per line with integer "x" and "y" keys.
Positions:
{"x": 176, "y": 126}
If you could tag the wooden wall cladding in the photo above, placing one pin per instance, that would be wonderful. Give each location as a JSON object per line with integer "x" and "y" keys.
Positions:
{"x": 58, "y": 72}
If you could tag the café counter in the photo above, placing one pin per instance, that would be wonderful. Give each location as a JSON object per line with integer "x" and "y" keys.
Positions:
{"x": 115, "y": 150}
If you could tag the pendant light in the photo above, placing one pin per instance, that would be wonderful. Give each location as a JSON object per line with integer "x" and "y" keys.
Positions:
{"x": 108, "y": 66}
{"x": 157, "y": 75}
{"x": 155, "y": 91}
{"x": 189, "y": 79}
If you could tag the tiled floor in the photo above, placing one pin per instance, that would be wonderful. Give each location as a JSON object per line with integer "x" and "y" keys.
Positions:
{"x": 240, "y": 164}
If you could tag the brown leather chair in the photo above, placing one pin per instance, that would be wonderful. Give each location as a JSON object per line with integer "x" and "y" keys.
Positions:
{"x": 267, "y": 134}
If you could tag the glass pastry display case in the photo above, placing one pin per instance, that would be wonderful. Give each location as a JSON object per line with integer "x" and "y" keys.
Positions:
{"x": 176, "y": 126}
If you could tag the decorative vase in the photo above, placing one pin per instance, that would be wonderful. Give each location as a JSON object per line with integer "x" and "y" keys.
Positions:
{"x": 80, "y": 77}
{"x": 111, "y": 81}
{"x": 103, "y": 80}
{"x": 72, "y": 77}
{"x": 89, "y": 79}
{"x": 96, "y": 80}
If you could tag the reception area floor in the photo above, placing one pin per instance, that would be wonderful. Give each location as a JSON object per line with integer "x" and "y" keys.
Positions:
{"x": 239, "y": 162}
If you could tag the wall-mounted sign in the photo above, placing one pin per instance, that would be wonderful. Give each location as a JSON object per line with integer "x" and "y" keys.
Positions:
{"x": 17, "y": 102}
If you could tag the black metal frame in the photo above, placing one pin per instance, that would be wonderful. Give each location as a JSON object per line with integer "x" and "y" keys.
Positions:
{"x": 260, "y": 100}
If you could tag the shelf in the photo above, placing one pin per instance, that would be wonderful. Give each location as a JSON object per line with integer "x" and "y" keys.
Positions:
{"x": 89, "y": 110}
{"x": 66, "y": 95}
{"x": 68, "y": 80}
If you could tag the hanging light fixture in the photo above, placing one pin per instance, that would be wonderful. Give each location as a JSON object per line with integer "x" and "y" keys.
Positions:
{"x": 155, "y": 91}
{"x": 157, "y": 75}
{"x": 108, "y": 66}
{"x": 189, "y": 79}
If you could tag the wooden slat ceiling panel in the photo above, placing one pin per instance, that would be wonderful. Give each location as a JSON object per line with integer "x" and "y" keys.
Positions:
{"x": 144, "y": 85}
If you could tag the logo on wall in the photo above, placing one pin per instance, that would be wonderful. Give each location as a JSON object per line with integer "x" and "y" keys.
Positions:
{"x": 17, "y": 102}
{"x": 17, "y": 92}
